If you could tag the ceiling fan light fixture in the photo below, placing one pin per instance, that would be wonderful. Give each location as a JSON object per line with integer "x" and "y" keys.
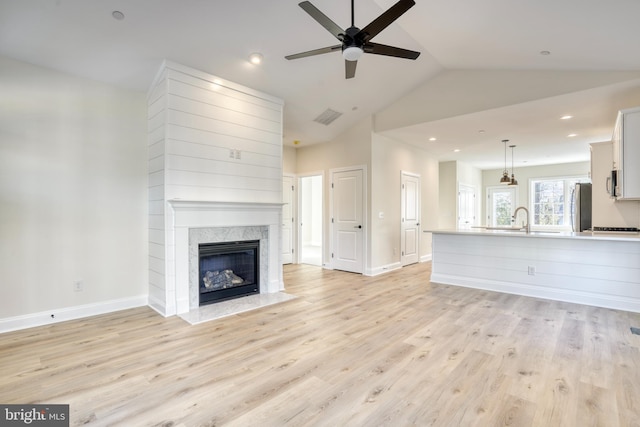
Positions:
{"x": 352, "y": 53}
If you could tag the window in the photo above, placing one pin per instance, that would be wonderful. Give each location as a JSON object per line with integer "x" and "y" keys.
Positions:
{"x": 551, "y": 201}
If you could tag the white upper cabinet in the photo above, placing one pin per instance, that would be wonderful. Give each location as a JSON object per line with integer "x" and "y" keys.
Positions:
{"x": 626, "y": 154}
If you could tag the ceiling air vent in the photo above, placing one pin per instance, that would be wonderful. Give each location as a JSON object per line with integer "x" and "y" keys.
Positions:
{"x": 327, "y": 117}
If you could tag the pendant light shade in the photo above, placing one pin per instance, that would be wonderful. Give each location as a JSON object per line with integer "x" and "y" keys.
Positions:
{"x": 514, "y": 181}
{"x": 505, "y": 174}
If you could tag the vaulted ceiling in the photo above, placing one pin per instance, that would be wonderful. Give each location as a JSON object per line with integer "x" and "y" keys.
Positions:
{"x": 490, "y": 70}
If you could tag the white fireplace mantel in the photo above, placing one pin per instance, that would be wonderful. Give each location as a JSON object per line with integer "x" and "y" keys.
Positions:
{"x": 184, "y": 215}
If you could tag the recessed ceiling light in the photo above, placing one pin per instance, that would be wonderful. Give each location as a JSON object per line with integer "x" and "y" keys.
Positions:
{"x": 481, "y": 131}
{"x": 256, "y": 58}
{"x": 567, "y": 117}
{"x": 432, "y": 139}
{"x": 457, "y": 150}
{"x": 545, "y": 52}
{"x": 117, "y": 15}
{"x": 571, "y": 135}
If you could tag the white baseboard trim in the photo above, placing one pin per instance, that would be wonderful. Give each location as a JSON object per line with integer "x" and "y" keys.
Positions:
{"x": 426, "y": 258}
{"x": 383, "y": 269}
{"x": 579, "y": 297}
{"x": 70, "y": 313}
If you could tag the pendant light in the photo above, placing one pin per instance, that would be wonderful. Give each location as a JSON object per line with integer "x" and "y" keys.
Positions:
{"x": 514, "y": 181}
{"x": 505, "y": 174}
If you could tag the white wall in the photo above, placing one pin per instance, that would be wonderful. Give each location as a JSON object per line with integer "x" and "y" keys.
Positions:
{"x": 352, "y": 148}
{"x": 73, "y": 196}
{"x": 447, "y": 194}
{"x": 389, "y": 159}
{"x": 289, "y": 159}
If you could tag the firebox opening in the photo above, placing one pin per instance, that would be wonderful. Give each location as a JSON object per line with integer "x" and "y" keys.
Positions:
{"x": 228, "y": 270}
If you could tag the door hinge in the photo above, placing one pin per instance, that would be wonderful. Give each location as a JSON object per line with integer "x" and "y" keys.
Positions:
{"x": 331, "y": 220}
{"x": 292, "y": 188}
{"x": 332, "y": 185}
{"x": 402, "y": 252}
{"x": 331, "y": 254}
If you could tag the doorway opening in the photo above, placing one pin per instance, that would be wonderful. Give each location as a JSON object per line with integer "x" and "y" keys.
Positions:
{"x": 310, "y": 220}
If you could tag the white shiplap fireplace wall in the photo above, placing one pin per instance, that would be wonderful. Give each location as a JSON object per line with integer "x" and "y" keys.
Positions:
{"x": 215, "y": 163}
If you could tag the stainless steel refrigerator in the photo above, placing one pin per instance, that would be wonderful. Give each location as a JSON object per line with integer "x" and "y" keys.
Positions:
{"x": 581, "y": 207}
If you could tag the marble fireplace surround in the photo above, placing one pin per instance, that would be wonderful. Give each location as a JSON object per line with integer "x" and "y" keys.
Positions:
{"x": 194, "y": 222}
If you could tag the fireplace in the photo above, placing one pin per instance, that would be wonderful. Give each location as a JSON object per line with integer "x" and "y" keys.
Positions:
{"x": 228, "y": 270}
{"x": 192, "y": 223}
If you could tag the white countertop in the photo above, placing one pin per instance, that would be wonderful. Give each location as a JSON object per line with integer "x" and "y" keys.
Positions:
{"x": 541, "y": 234}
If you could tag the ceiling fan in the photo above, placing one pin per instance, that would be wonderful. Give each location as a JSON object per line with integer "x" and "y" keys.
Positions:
{"x": 356, "y": 41}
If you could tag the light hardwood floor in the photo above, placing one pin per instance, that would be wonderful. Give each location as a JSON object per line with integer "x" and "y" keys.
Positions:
{"x": 389, "y": 350}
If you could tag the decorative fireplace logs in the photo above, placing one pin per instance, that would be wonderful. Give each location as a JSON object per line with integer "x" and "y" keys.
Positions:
{"x": 221, "y": 279}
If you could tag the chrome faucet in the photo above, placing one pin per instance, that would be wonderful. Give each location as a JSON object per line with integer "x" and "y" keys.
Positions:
{"x": 515, "y": 214}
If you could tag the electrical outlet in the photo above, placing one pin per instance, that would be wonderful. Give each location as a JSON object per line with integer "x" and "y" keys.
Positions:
{"x": 78, "y": 286}
{"x": 531, "y": 270}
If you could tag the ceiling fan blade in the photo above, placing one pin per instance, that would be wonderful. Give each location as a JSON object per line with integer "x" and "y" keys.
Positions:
{"x": 320, "y": 51}
{"x": 350, "y": 69}
{"x": 383, "y": 49}
{"x": 322, "y": 19}
{"x": 384, "y": 20}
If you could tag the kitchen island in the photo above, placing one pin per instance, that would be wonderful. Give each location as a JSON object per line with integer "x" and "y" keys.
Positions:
{"x": 599, "y": 269}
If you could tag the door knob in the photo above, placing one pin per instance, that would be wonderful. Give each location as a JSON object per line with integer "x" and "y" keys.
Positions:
{"x": 357, "y": 226}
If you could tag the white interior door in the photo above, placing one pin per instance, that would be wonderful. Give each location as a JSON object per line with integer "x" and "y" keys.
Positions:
{"x": 410, "y": 219}
{"x": 347, "y": 220}
{"x": 466, "y": 206}
{"x": 288, "y": 192}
